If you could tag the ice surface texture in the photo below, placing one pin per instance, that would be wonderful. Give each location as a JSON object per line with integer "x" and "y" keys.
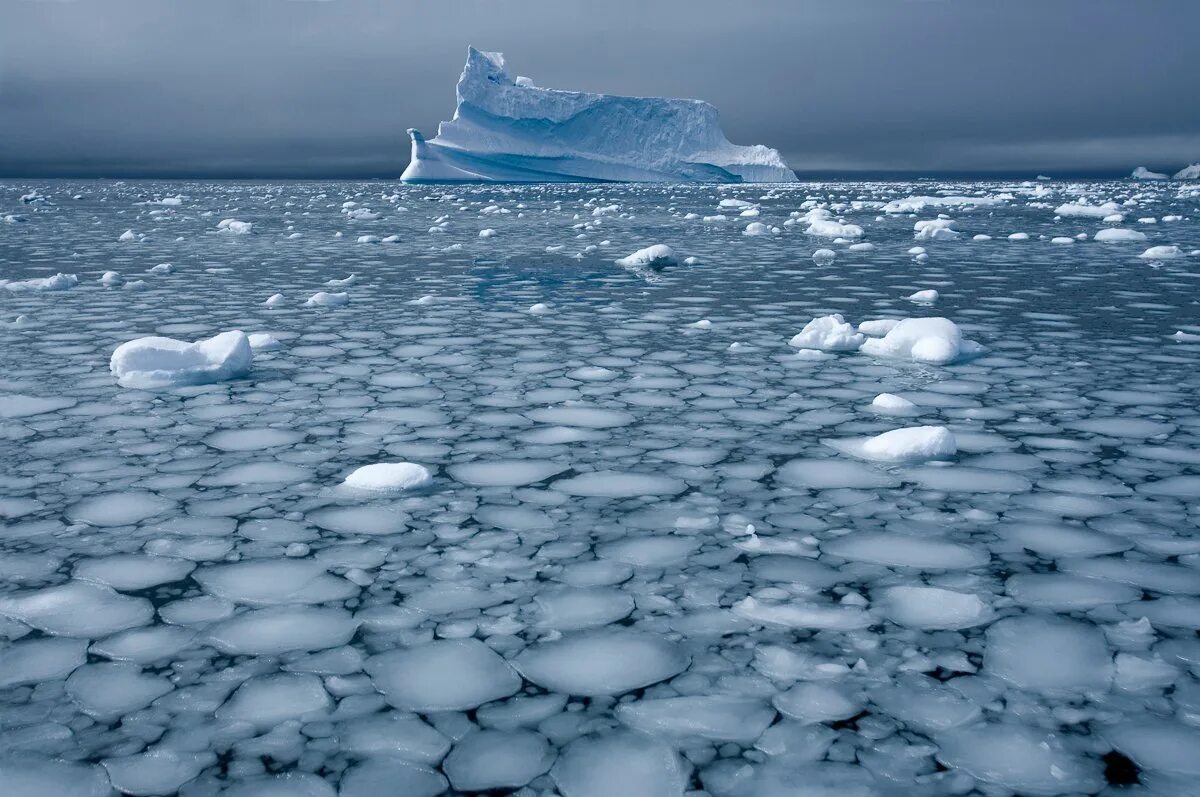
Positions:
{"x": 437, "y": 542}
{"x": 511, "y": 131}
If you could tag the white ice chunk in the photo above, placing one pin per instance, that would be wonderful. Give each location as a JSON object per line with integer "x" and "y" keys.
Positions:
{"x": 719, "y": 718}
{"x": 269, "y": 632}
{"x": 933, "y": 607}
{"x": 155, "y": 362}
{"x": 1021, "y": 759}
{"x": 828, "y": 333}
{"x": 1050, "y": 655}
{"x": 625, "y": 763}
{"x": 492, "y": 759}
{"x": 77, "y": 609}
{"x": 267, "y": 700}
{"x": 655, "y": 256}
{"x": 937, "y": 341}
{"x": 389, "y": 477}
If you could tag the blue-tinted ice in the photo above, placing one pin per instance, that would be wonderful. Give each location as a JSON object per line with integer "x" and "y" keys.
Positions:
{"x": 662, "y": 549}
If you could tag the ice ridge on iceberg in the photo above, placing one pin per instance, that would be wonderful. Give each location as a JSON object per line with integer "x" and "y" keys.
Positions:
{"x": 507, "y": 130}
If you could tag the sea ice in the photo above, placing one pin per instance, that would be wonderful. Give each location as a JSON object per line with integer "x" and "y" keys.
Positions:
{"x": 828, "y": 333}
{"x": 389, "y": 477}
{"x": 443, "y": 675}
{"x": 937, "y": 341}
{"x": 155, "y": 362}
{"x": 597, "y": 663}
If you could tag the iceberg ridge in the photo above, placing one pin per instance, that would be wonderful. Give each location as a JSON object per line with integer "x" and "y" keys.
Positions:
{"x": 507, "y": 130}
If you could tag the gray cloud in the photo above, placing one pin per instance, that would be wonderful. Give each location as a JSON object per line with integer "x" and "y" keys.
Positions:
{"x": 284, "y": 88}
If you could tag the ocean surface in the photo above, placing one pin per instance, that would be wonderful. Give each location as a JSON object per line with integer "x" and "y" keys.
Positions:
{"x": 660, "y": 552}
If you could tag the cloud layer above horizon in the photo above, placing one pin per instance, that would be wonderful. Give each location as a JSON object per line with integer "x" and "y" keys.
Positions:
{"x": 286, "y": 88}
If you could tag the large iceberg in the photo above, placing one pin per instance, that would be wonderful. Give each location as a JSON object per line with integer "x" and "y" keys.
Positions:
{"x": 507, "y": 130}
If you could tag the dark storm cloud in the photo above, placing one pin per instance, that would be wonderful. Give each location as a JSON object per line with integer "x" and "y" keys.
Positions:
{"x": 287, "y": 88}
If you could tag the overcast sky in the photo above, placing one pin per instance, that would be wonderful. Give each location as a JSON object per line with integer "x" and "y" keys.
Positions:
{"x": 307, "y": 88}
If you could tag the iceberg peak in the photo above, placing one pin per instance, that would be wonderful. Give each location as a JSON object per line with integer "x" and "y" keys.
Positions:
{"x": 507, "y": 130}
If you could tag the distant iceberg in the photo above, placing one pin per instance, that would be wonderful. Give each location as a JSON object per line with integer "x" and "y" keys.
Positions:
{"x": 507, "y": 130}
{"x": 1189, "y": 172}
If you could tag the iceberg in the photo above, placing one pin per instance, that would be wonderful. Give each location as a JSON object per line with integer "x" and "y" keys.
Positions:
{"x": 507, "y": 130}
{"x": 1142, "y": 173}
{"x": 1188, "y": 173}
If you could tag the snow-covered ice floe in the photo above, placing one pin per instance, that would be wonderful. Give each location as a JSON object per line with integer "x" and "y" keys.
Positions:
{"x": 156, "y": 362}
{"x": 507, "y": 130}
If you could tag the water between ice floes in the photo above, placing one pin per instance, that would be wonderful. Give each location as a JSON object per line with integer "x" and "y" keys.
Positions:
{"x": 654, "y": 556}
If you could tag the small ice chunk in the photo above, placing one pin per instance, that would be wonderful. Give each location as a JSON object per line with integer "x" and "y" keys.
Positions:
{"x": 924, "y": 297}
{"x": 389, "y": 477}
{"x": 27, "y": 776}
{"x": 269, "y": 632}
{"x": 828, "y": 333}
{"x": 655, "y": 256}
{"x": 235, "y": 227}
{"x": 274, "y": 300}
{"x": 823, "y": 257}
{"x": 77, "y": 609}
{"x": 324, "y": 299}
{"x": 937, "y": 341}
{"x": 540, "y": 309}
{"x": 261, "y": 341}
{"x": 33, "y": 661}
{"x": 155, "y": 362}
{"x": 1117, "y": 235}
{"x": 1161, "y": 253}
{"x": 814, "y": 702}
{"x": 911, "y": 444}
{"x": 110, "y": 690}
{"x": 891, "y": 404}
{"x": 59, "y": 282}
{"x": 935, "y": 230}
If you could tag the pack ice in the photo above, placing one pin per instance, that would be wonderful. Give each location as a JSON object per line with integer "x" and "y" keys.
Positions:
{"x": 507, "y": 130}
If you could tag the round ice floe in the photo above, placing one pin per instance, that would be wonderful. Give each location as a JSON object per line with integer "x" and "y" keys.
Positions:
{"x": 506, "y": 472}
{"x": 26, "y": 776}
{"x": 614, "y": 484}
{"x": 119, "y": 509}
{"x": 652, "y": 551}
{"x": 393, "y": 734}
{"x": 827, "y": 474}
{"x": 269, "y": 632}
{"x": 111, "y": 690}
{"x": 360, "y": 520}
{"x": 385, "y": 775}
{"x": 933, "y": 608}
{"x": 817, "y": 702}
{"x": 14, "y": 405}
{"x": 924, "y": 297}
{"x": 802, "y": 614}
{"x": 626, "y": 763}
{"x": 823, "y": 257}
{"x": 267, "y": 700}
{"x": 594, "y": 663}
{"x": 1059, "y": 592}
{"x": 144, "y": 645}
{"x": 1160, "y": 745}
{"x": 287, "y": 784}
{"x": 262, "y": 341}
{"x": 720, "y": 718}
{"x": 265, "y": 582}
{"x": 575, "y": 609}
{"x": 586, "y": 417}
{"x": 486, "y": 760}
{"x": 828, "y": 333}
{"x": 156, "y": 362}
{"x": 924, "y": 704}
{"x": 1021, "y": 759}
{"x": 937, "y": 341}
{"x": 444, "y": 675}
{"x": 129, "y": 571}
{"x": 902, "y": 550}
{"x": 1048, "y": 654}
{"x": 253, "y": 439}
{"x": 389, "y": 477}
{"x": 32, "y": 661}
{"x": 77, "y": 609}
{"x": 156, "y": 771}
